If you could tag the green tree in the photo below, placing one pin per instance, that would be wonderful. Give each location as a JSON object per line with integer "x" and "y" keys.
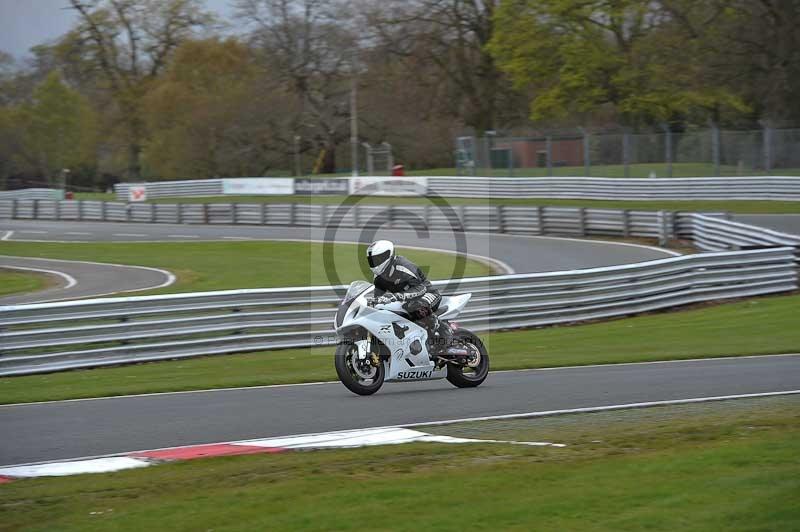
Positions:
{"x": 56, "y": 129}
{"x": 578, "y": 57}
{"x": 120, "y": 47}
{"x": 210, "y": 115}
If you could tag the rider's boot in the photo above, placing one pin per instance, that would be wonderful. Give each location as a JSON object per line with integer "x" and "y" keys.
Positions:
{"x": 440, "y": 335}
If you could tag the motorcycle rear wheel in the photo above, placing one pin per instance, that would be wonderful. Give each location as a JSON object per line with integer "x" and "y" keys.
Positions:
{"x": 466, "y": 376}
{"x": 346, "y": 355}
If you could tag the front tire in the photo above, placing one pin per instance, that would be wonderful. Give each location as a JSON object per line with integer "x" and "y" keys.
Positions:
{"x": 467, "y": 376}
{"x": 353, "y": 377}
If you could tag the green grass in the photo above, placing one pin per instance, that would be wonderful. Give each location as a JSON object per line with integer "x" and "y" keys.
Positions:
{"x": 12, "y": 282}
{"x": 95, "y": 196}
{"x": 202, "y": 266}
{"x": 752, "y": 327}
{"x": 744, "y": 207}
{"x": 717, "y": 469}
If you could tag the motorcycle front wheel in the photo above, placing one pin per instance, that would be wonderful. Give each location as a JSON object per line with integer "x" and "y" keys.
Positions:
{"x": 469, "y": 376}
{"x": 358, "y": 376}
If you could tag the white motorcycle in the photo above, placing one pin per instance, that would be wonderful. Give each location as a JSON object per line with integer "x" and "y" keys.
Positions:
{"x": 379, "y": 343}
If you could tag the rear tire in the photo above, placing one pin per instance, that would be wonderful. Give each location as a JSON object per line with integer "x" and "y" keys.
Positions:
{"x": 456, "y": 374}
{"x": 343, "y": 360}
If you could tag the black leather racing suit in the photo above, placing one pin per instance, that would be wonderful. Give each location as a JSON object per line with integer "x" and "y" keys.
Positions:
{"x": 407, "y": 282}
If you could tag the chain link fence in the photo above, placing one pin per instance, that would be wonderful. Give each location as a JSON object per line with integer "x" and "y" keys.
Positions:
{"x": 692, "y": 153}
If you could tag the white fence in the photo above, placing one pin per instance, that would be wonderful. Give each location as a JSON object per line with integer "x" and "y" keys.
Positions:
{"x": 59, "y": 336}
{"x": 597, "y": 188}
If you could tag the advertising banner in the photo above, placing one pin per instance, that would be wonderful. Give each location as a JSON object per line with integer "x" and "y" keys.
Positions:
{"x": 137, "y": 193}
{"x": 389, "y": 186}
{"x": 265, "y": 186}
{"x": 339, "y": 187}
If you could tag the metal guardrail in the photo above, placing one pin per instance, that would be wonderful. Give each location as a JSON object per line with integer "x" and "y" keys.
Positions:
{"x": 51, "y": 337}
{"x": 599, "y": 188}
{"x": 709, "y": 233}
{"x": 32, "y": 194}
{"x": 529, "y": 220}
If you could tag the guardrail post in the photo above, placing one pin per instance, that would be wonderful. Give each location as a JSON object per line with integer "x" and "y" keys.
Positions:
{"x": 80, "y": 210}
{"x": 626, "y": 223}
{"x": 264, "y": 213}
{"x": 104, "y": 211}
{"x": 582, "y": 220}
{"x": 674, "y": 226}
{"x": 539, "y": 220}
{"x": 501, "y": 221}
{"x": 179, "y": 212}
{"x": 205, "y": 213}
{"x": 35, "y": 213}
{"x": 663, "y": 232}
{"x": 323, "y": 215}
{"x": 152, "y": 213}
{"x": 462, "y": 214}
{"x": 292, "y": 213}
{"x": 14, "y": 209}
{"x": 57, "y": 212}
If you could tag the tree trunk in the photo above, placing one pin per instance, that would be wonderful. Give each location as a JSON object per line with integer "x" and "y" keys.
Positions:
{"x": 329, "y": 161}
{"x": 134, "y": 161}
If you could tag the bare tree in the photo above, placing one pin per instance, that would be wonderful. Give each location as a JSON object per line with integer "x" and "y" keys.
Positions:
{"x": 124, "y": 45}
{"x": 307, "y": 45}
{"x": 452, "y": 35}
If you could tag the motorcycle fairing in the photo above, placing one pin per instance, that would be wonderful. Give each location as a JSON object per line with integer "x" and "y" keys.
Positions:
{"x": 398, "y": 335}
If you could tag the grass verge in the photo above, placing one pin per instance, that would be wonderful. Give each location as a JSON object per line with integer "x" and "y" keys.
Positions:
{"x": 203, "y": 266}
{"x": 756, "y": 326}
{"x": 724, "y": 467}
{"x": 14, "y": 282}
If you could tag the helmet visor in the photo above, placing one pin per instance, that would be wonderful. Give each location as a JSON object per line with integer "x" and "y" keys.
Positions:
{"x": 377, "y": 260}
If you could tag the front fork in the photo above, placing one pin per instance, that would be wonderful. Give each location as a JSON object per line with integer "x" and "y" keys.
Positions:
{"x": 367, "y": 353}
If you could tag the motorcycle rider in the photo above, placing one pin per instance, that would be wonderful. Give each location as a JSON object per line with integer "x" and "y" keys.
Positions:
{"x": 399, "y": 279}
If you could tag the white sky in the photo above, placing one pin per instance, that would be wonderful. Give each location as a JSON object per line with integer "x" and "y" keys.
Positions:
{"x": 26, "y": 23}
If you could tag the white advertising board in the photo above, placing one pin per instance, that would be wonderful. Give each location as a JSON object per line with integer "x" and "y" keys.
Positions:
{"x": 389, "y": 186}
{"x": 258, "y": 185}
{"x": 137, "y": 193}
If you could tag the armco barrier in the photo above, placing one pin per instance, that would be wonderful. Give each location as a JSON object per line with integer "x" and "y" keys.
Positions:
{"x": 597, "y": 188}
{"x": 531, "y": 220}
{"x": 32, "y": 194}
{"x": 709, "y": 233}
{"x": 58, "y": 336}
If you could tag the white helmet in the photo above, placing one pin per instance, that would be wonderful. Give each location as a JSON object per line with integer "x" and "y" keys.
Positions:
{"x": 379, "y": 255}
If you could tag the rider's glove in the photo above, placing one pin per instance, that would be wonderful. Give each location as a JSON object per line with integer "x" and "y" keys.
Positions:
{"x": 383, "y": 300}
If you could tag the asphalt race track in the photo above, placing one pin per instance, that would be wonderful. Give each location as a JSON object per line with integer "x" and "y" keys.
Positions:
{"x": 71, "y": 429}
{"x": 517, "y": 253}
{"x": 787, "y": 223}
{"x": 83, "y": 279}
